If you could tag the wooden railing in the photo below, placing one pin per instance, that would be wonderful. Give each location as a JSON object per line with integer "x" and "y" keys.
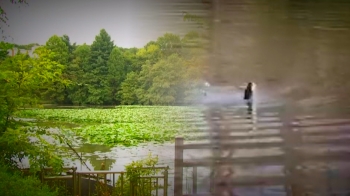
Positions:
{"x": 294, "y": 134}
{"x": 111, "y": 183}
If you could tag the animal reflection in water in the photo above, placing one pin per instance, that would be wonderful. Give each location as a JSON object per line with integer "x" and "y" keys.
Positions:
{"x": 221, "y": 174}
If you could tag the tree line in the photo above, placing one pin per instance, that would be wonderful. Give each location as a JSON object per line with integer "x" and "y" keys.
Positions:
{"x": 164, "y": 72}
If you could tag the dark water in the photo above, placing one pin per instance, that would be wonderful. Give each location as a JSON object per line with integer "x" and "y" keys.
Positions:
{"x": 284, "y": 43}
{"x": 321, "y": 177}
{"x": 298, "y": 53}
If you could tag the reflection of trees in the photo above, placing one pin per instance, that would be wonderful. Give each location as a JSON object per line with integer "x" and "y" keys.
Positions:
{"x": 326, "y": 47}
{"x": 97, "y": 160}
{"x": 91, "y": 148}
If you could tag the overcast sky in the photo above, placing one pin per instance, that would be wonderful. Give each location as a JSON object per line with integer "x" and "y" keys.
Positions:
{"x": 130, "y": 23}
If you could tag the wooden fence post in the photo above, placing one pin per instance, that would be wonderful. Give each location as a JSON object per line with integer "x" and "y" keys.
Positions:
{"x": 75, "y": 192}
{"x": 166, "y": 181}
{"x": 178, "y": 178}
{"x": 194, "y": 182}
{"x": 291, "y": 140}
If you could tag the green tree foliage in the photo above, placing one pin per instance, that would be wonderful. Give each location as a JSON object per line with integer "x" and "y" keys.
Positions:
{"x": 70, "y": 71}
{"x": 129, "y": 88}
{"x": 169, "y": 44}
{"x": 61, "y": 51}
{"x": 164, "y": 71}
{"x": 97, "y": 69}
{"x": 14, "y": 184}
{"x": 132, "y": 182}
{"x": 117, "y": 71}
{"x": 71, "y": 47}
{"x": 151, "y": 53}
{"x": 4, "y": 48}
{"x": 132, "y": 62}
{"x": 78, "y": 91}
{"x": 23, "y": 78}
{"x": 22, "y": 81}
{"x": 163, "y": 82}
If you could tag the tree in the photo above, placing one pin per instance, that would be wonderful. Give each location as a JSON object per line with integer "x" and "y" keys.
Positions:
{"x": 71, "y": 69}
{"x": 131, "y": 60}
{"x": 60, "y": 48}
{"x": 22, "y": 81}
{"x": 97, "y": 69}
{"x": 78, "y": 91}
{"x": 58, "y": 91}
{"x": 163, "y": 82}
{"x": 129, "y": 88}
{"x": 4, "y": 48}
{"x": 101, "y": 49}
{"x": 151, "y": 53}
{"x": 170, "y": 44}
{"x": 30, "y": 186}
{"x": 71, "y": 47}
{"x": 117, "y": 71}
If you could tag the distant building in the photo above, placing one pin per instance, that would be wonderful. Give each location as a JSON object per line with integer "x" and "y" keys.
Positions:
{"x": 15, "y": 50}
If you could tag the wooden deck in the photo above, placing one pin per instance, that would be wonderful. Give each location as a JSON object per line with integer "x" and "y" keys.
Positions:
{"x": 302, "y": 144}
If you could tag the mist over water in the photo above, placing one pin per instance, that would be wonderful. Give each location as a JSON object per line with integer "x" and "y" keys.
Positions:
{"x": 297, "y": 52}
{"x": 299, "y": 48}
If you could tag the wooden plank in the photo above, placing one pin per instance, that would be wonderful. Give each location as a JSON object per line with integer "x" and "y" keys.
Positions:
{"x": 258, "y": 121}
{"x": 335, "y": 142}
{"x": 262, "y": 160}
{"x": 100, "y": 172}
{"x": 297, "y": 179}
{"x": 259, "y": 145}
{"x": 58, "y": 177}
{"x": 326, "y": 132}
{"x": 266, "y": 181}
{"x": 194, "y": 183}
{"x": 329, "y": 157}
{"x": 178, "y": 173}
{"x": 323, "y": 120}
{"x": 199, "y": 194}
{"x": 235, "y": 145}
{"x": 237, "y": 130}
{"x": 258, "y": 181}
{"x": 323, "y": 124}
{"x": 258, "y": 126}
{"x": 151, "y": 177}
{"x": 268, "y": 160}
{"x": 241, "y": 137}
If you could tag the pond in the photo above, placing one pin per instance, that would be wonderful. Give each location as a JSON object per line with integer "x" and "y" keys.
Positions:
{"x": 267, "y": 109}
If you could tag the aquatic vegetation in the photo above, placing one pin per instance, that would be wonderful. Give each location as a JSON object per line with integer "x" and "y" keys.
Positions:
{"x": 123, "y": 114}
{"x": 125, "y": 125}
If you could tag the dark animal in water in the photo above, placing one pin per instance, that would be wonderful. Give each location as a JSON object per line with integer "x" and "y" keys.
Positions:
{"x": 248, "y": 92}
{"x": 248, "y": 96}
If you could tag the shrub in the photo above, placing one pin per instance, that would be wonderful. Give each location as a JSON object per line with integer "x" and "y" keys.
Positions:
{"x": 15, "y": 184}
